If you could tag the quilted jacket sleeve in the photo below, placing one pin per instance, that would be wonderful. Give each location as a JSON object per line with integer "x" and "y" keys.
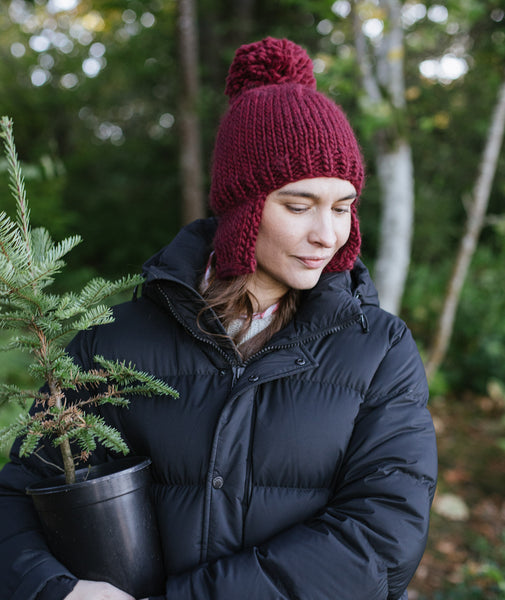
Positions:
{"x": 368, "y": 541}
{"x": 26, "y": 564}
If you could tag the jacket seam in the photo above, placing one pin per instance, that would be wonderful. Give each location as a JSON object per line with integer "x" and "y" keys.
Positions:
{"x": 417, "y": 397}
{"x": 340, "y": 386}
{"x": 211, "y": 372}
{"x": 169, "y": 484}
{"x": 291, "y": 487}
{"x": 405, "y": 390}
{"x": 421, "y": 480}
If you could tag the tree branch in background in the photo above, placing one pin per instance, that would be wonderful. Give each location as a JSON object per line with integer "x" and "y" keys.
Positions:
{"x": 193, "y": 206}
{"x": 474, "y": 224}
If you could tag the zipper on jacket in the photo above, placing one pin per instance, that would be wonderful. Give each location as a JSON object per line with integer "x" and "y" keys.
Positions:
{"x": 237, "y": 371}
{"x": 200, "y": 338}
{"x": 364, "y": 320}
{"x": 364, "y": 323}
{"x": 360, "y": 318}
{"x": 248, "y": 487}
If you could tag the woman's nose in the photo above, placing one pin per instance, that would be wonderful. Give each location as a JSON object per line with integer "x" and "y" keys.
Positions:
{"x": 323, "y": 232}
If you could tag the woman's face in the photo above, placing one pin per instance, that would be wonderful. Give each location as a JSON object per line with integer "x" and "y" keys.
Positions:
{"x": 303, "y": 225}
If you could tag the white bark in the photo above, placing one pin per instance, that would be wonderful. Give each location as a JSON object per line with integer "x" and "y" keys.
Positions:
{"x": 390, "y": 55}
{"x": 382, "y": 72}
{"x": 475, "y": 221}
{"x": 368, "y": 76}
{"x": 396, "y": 177}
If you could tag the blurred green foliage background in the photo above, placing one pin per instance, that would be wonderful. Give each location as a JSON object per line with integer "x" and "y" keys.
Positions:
{"x": 93, "y": 91}
{"x": 93, "y": 88}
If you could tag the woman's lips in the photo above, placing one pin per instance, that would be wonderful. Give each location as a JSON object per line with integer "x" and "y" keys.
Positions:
{"x": 312, "y": 262}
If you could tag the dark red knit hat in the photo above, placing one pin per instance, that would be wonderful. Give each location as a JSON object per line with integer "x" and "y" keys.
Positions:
{"x": 278, "y": 129}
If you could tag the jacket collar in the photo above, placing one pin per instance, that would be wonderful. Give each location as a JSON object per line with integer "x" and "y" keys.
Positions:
{"x": 336, "y": 299}
{"x": 185, "y": 258}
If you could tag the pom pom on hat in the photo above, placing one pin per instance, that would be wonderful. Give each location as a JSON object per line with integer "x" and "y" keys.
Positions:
{"x": 268, "y": 62}
{"x": 278, "y": 129}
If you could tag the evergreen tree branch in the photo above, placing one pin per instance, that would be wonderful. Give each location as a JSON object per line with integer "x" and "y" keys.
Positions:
{"x": 64, "y": 410}
{"x": 134, "y": 381}
{"x": 48, "y": 462}
{"x": 17, "y": 185}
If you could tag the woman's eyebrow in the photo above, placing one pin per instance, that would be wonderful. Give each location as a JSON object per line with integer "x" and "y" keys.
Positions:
{"x": 300, "y": 193}
{"x": 311, "y": 195}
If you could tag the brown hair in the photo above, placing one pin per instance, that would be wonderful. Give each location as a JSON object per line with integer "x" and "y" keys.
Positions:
{"x": 230, "y": 300}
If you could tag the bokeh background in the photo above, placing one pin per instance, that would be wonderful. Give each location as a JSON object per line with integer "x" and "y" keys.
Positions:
{"x": 115, "y": 107}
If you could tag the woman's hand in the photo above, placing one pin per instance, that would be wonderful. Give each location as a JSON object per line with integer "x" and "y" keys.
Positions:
{"x": 97, "y": 590}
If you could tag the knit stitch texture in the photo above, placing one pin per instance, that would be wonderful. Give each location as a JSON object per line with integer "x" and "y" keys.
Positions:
{"x": 278, "y": 129}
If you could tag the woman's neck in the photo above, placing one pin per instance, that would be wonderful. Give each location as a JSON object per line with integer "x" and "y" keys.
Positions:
{"x": 263, "y": 296}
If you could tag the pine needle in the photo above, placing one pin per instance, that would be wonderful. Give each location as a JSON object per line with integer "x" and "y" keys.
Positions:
{"x": 17, "y": 185}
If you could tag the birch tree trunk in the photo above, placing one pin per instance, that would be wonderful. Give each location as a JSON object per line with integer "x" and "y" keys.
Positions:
{"x": 396, "y": 178}
{"x": 381, "y": 67}
{"x": 193, "y": 206}
{"x": 474, "y": 224}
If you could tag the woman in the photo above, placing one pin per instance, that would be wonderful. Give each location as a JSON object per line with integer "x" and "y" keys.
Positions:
{"x": 300, "y": 460}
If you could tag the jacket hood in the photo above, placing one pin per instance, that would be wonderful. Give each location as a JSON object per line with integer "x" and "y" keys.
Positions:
{"x": 185, "y": 257}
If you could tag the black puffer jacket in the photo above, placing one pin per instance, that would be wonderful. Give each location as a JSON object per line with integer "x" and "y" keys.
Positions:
{"x": 305, "y": 473}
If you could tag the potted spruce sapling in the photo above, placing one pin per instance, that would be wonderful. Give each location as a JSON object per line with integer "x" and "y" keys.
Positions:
{"x": 83, "y": 504}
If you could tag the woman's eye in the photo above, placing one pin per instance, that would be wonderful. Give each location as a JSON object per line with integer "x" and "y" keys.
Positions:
{"x": 296, "y": 208}
{"x": 341, "y": 210}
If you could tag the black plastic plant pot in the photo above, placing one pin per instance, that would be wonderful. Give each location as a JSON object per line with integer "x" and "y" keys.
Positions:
{"x": 103, "y": 527}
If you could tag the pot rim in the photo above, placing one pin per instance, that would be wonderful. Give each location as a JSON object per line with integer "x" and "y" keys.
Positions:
{"x": 113, "y": 469}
